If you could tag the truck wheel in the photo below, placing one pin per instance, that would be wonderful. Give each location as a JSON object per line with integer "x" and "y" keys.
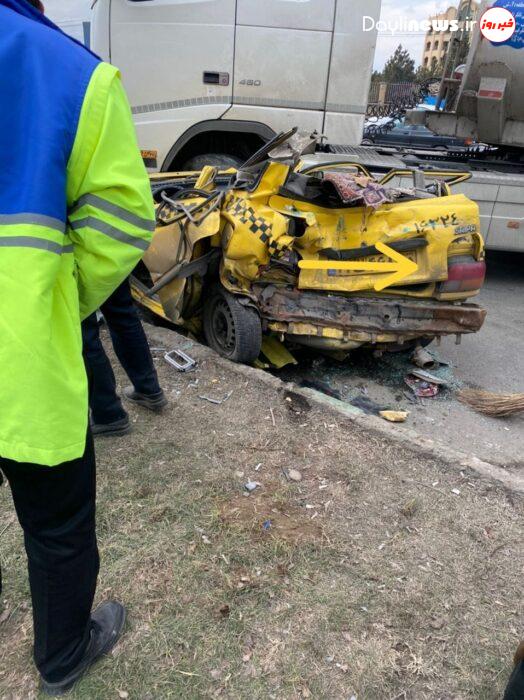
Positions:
{"x": 230, "y": 328}
{"x": 220, "y": 160}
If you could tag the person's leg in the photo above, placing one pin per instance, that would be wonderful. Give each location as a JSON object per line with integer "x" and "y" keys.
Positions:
{"x": 106, "y": 407}
{"x": 130, "y": 341}
{"x": 56, "y": 509}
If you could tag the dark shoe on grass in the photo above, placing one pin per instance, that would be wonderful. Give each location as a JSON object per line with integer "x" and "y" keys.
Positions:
{"x": 154, "y": 402}
{"x": 107, "y": 625}
{"x": 118, "y": 427}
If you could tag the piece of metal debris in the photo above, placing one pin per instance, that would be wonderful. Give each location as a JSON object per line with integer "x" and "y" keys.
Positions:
{"x": 216, "y": 401}
{"x": 180, "y": 360}
{"x": 423, "y": 359}
{"x": 251, "y": 486}
{"x": 421, "y": 388}
{"x": 429, "y": 377}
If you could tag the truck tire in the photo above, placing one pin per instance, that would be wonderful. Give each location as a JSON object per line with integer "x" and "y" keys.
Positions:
{"x": 221, "y": 160}
{"x": 230, "y": 328}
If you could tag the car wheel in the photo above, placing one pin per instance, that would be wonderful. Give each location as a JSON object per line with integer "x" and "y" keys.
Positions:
{"x": 367, "y": 142}
{"x": 223, "y": 161}
{"x": 231, "y": 328}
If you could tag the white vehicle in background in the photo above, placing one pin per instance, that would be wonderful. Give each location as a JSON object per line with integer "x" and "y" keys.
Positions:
{"x": 210, "y": 81}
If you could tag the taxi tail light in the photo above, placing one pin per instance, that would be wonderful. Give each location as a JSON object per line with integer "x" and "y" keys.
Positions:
{"x": 465, "y": 274}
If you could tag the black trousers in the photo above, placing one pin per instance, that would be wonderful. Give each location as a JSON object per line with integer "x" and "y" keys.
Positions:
{"x": 131, "y": 348}
{"x": 56, "y": 509}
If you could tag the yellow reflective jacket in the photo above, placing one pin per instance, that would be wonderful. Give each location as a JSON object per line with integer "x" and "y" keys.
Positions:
{"x": 51, "y": 279}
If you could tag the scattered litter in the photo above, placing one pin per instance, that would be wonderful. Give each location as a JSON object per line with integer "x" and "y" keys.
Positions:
{"x": 251, "y": 486}
{"x": 497, "y": 405}
{"x": 258, "y": 466}
{"x": 293, "y": 475}
{"x": 456, "y": 492}
{"x": 266, "y": 525}
{"x": 205, "y": 539}
{"x": 272, "y": 417}
{"x": 180, "y": 360}
{"x": 395, "y": 416}
{"x": 217, "y": 401}
{"x": 421, "y": 388}
{"x": 428, "y": 377}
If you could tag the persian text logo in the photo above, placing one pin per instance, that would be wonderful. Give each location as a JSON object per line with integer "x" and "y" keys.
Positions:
{"x": 403, "y": 25}
{"x": 497, "y": 24}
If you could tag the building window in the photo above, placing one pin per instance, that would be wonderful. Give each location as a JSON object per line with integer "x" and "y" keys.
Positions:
{"x": 428, "y": 46}
{"x": 445, "y": 46}
{"x": 435, "y": 45}
{"x": 426, "y": 61}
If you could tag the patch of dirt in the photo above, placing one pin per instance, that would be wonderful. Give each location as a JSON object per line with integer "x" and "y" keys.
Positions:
{"x": 267, "y": 517}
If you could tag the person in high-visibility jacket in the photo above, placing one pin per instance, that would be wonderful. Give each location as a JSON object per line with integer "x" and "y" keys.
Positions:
{"x": 76, "y": 215}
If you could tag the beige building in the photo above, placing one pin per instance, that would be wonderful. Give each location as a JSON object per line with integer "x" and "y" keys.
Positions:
{"x": 436, "y": 43}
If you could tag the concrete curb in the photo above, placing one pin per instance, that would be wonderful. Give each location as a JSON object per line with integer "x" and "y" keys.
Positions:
{"x": 407, "y": 437}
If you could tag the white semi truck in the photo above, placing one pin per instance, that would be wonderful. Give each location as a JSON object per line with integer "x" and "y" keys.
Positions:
{"x": 210, "y": 81}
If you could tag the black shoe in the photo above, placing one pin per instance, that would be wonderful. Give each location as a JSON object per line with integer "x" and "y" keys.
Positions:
{"x": 154, "y": 402}
{"x": 107, "y": 624}
{"x": 118, "y": 427}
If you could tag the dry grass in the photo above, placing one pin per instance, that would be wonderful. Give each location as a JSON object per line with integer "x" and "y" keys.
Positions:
{"x": 374, "y": 578}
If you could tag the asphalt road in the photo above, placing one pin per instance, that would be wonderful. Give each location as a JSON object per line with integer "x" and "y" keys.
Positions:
{"x": 493, "y": 360}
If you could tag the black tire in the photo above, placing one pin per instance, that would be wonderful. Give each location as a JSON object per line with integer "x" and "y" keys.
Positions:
{"x": 230, "y": 328}
{"x": 224, "y": 161}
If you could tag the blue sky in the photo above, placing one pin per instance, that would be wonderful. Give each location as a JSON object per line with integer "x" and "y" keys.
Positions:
{"x": 392, "y": 10}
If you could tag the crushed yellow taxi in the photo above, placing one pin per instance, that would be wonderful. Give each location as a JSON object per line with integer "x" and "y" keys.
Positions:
{"x": 322, "y": 255}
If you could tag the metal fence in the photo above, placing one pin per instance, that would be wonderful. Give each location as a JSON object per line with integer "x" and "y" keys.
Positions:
{"x": 386, "y": 99}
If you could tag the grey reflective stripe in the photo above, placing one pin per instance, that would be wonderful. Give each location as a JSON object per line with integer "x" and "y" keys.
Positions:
{"x": 68, "y": 249}
{"x": 115, "y": 210}
{"x": 33, "y": 219}
{"x": 111, "y": 231}
{"x": 30, "y": 242}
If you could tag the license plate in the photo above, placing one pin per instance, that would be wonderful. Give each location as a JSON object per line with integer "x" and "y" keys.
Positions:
{"x": 411, "y": 255}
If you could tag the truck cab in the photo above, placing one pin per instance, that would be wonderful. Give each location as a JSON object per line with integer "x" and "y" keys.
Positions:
{"x": 210, "y": 81}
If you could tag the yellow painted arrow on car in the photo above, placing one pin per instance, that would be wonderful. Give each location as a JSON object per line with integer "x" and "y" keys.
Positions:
{"x": 401, "y": 266}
